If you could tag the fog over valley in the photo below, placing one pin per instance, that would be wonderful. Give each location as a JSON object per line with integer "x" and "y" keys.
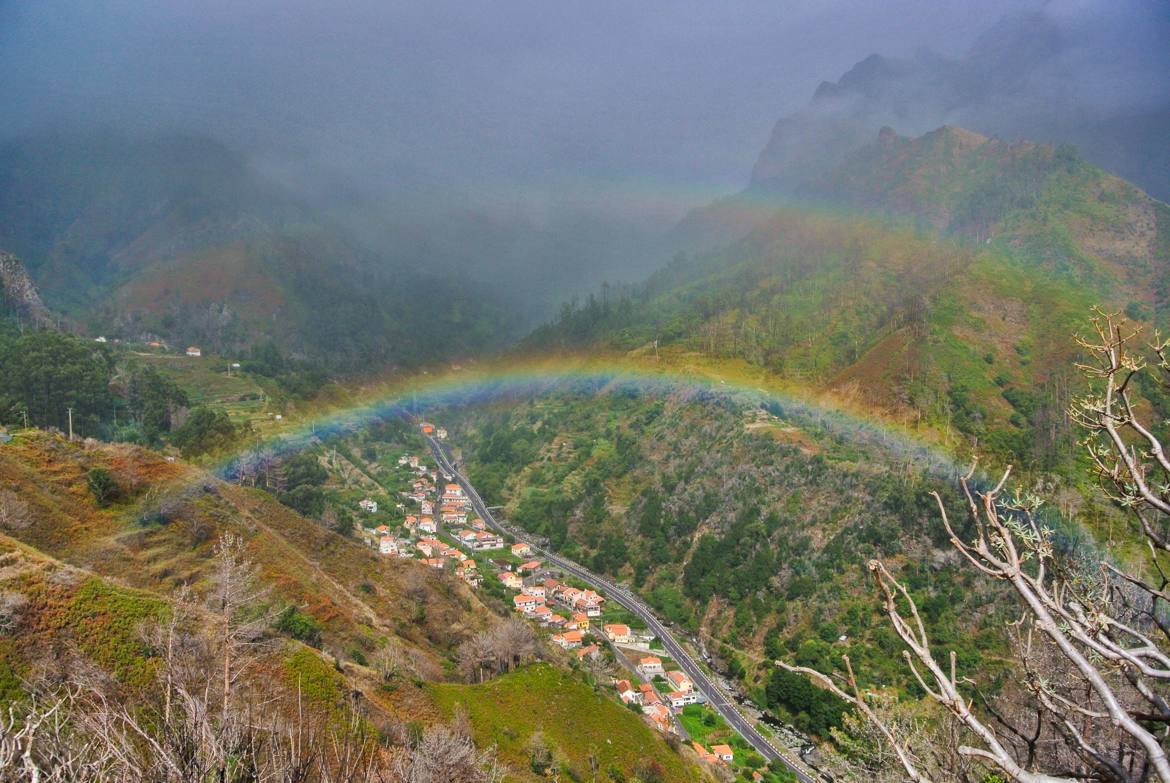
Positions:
{"x": 680, "y": 391}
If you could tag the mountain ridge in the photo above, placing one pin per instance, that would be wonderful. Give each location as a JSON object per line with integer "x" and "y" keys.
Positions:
{"x": 178, "y": 237}
{"x": 1000, "y": 87}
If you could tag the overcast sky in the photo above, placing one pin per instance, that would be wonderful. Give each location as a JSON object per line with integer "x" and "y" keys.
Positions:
{"x": 665, "y": 99}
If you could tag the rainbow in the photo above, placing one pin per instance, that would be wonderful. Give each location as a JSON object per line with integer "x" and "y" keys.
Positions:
{"x": 489, "y": 383}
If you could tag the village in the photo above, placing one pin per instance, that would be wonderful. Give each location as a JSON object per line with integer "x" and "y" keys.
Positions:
{"x": 438, "y": 527}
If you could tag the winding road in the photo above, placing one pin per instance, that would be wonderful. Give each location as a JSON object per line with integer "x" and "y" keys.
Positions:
{"x": 716, "y": 696}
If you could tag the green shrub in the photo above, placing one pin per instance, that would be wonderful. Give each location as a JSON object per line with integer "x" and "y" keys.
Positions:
{"x": 102, "y": 486}
{"x": 299, "y": 626}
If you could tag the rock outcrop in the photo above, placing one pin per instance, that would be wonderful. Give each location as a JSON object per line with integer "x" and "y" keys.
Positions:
{"x": 18, "y": 295}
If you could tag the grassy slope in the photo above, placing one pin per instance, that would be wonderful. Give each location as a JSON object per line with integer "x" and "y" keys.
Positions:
{"x": 573, "y": 719}
{"x": 357, "y": 597}
{"x": 73, "y": 618}
{"x": 93, "y": 575}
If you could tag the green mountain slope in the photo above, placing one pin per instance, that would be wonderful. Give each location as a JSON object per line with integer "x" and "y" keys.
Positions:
{"x": 938, "y": 282}
{"x": 747, "y": 524}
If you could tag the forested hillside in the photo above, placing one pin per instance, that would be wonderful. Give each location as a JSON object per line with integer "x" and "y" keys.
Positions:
{"x": 745, "y": 521}
{"x": 940, "y": 282}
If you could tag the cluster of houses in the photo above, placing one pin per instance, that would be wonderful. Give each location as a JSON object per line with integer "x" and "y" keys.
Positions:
{"x": 534, "y": 601}
{"x": 566, "y": 611}
{"x": 658, "y": 705}
{"x": 423, "y": 527}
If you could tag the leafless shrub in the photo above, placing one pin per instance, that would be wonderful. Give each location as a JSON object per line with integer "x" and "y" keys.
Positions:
{"x": 12, "y": 605}
{"x": 514, "y": 643}
{"x": 14, "y": 513}
{"x": 444, "y": 756}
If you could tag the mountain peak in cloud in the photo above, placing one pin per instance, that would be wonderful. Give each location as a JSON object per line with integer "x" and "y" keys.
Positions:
{"x": 1030, "y": 75}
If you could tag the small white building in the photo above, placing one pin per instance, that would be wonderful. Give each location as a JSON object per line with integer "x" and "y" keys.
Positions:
{"x": 680, "y": 699}
{"x": 368, "y": 506}
{"x": 194, "y": 351}
{"x": 650, "y": 667}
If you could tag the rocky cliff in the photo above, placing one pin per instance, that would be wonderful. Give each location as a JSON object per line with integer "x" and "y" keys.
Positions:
{"x": 18, "y": 295}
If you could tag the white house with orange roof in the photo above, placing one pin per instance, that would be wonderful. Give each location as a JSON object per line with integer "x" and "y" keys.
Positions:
{"x": 723, "y": 752}
{"x": 511, "y": 580}
{"x": 542, "y": 614}
{"x": 618, "y": 633}
{"x": 679, "y": 681}
{"x": 452, "y": 516}
{"x": 650, "y": 667}
{"x": 521, "y": 549}
{"x": 427, "y": 525}
{"x": 627, "y": 693}
{"x": 525, "y": 603}
{"x": 568, "y": 640}
{"x": 486, "y": 540}
{"x": 589, "y": 604}
{"x": 680, "y": 699}
{"x": 531, "y": 567}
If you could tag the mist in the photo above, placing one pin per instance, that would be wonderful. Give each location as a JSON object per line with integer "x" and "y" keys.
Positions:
{"x": 562, "y": 140}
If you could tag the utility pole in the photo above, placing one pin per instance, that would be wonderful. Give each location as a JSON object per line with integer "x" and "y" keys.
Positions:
{"x": 70, "y": 423}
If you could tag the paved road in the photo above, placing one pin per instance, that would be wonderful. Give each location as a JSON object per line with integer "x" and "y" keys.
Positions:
{"x": 716, "y": 696}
